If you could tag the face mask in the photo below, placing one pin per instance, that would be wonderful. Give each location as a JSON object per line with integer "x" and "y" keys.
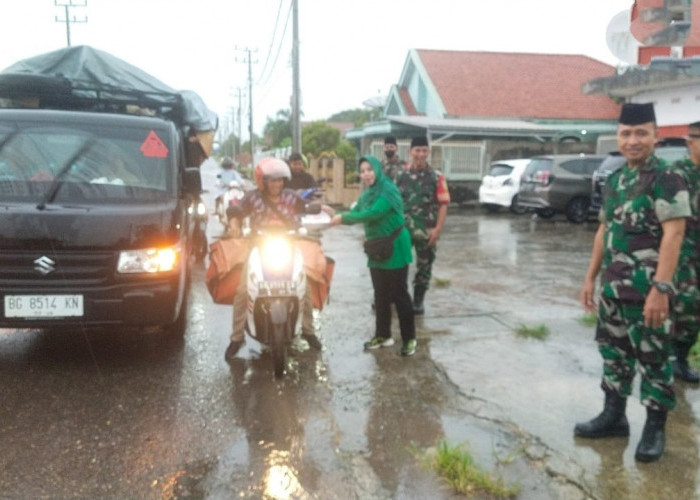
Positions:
{"x": 389, "y": 153}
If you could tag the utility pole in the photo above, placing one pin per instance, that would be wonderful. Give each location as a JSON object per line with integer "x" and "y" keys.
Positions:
{"x": 67, "y": 18}
{"x": 249, "y": 61}
{"x": 296, "y": 98}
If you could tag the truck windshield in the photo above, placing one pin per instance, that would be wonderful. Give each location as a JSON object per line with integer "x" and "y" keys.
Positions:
{"x": 78, "y": 165}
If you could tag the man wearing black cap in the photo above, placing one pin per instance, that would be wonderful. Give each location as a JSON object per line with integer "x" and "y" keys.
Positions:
{"x": 425, "y": 199}
{"x": 642, "y": 222}
{"x": 392, "y": 165}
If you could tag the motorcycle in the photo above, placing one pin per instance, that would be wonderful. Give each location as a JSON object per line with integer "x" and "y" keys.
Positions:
{"x": 232, "y": 193}
{"x": 277, "y": 283}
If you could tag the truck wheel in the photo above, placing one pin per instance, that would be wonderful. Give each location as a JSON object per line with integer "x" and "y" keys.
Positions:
{"x": 279, "y": 349}
{"x": 577, "y": 210}
{"x": 177, "y": 328}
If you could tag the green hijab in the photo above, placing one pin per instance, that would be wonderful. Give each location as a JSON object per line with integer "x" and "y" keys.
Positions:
{"x": 383, "y": 187}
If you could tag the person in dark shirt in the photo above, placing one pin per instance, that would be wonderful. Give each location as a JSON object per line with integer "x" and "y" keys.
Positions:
{"x": 301, "y": 179}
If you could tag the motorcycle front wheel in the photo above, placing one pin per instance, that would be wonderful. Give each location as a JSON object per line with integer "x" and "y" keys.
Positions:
{"x": 278, "y": 346}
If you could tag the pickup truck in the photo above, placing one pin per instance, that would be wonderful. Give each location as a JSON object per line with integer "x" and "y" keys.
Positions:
{"x": 96, "y": 193}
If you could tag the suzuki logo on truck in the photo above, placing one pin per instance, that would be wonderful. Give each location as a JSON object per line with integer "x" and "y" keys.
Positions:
{"x": 44, "y": 265}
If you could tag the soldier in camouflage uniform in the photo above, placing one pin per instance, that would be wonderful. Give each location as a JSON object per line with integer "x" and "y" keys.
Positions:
{"x": 645, "y": 205}
{"x": 687, "y": 306}
{"x": 392, "y": 165}
{"x": 425, "y": 198}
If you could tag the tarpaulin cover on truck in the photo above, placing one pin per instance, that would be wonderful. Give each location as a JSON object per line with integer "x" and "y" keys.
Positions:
{"x": 84, "y": 78}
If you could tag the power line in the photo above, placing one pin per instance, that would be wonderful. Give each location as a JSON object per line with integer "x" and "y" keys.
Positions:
{"x": 272, "y": 41}
{"x": 279, "y": 48}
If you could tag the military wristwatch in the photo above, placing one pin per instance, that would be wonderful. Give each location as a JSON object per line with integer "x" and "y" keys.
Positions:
{"x": 664, "y": 287}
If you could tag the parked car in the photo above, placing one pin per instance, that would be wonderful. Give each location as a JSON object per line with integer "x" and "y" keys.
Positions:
{"x": 499, "y": 188}
{"x": 670, "y": 149}
{"x": 554, "y": 184}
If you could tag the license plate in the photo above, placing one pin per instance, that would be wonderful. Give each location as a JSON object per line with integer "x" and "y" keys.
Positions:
{"x": 43, "y": 306}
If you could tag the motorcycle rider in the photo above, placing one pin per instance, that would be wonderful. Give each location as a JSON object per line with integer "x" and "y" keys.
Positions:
{"x": 268, "y": 205}
{"x": 228, "y": 172}
{"x": 300, "y": 179}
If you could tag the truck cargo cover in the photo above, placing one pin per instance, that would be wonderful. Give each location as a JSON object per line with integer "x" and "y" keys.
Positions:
{"x": 83, "y": 77}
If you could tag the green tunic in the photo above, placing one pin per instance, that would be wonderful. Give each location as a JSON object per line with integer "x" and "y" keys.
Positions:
{"x": 380, "y": 210}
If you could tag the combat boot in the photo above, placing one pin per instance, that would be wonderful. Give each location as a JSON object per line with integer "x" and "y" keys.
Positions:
{"x": 612, "y": 422}
{"x": 681, "y": 368}
{"x": 653, "y": 441}
{"x": 418, "y": 296}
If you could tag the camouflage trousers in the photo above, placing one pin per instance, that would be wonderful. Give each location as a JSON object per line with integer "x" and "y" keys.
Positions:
{"x": 627, "y": 345}
{"x": 425, "y": 256}
{"x": 686, "y": 309}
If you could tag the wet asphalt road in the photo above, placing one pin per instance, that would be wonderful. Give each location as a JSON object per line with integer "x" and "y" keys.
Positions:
{"x": 132, "y": 415}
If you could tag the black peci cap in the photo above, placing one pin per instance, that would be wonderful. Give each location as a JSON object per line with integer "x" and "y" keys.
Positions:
{"x": 636, "y": 114}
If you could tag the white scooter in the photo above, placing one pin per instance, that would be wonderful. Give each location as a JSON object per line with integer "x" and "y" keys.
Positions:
{"x": 276, "y": 281}
{"x": 232, "y": 193}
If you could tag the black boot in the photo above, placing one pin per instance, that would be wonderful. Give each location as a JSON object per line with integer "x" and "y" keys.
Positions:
{"x": 651, "y": 446}
{"x": 612, "y": 422}
{"x": 418, "y": 296}
{"x": 681, "y": 369}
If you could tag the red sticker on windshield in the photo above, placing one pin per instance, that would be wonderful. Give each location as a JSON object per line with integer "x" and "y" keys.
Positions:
{"x": 153, "y": 147}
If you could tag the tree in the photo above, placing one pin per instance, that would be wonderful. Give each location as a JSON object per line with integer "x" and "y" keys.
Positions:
{"x": 277, "y": 131}
{"x": 317, "y": 138}
{"x": 357, "y": 116}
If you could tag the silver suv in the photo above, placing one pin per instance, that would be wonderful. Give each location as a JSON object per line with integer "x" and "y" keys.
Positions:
{"x": 555, "y": 184}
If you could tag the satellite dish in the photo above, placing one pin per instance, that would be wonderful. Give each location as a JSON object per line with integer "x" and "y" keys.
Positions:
{"x": 620, "y": 40}
{"x": 375, "y": 102}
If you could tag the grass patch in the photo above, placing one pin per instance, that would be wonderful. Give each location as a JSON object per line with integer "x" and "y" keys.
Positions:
{"x": 441, "y": 282}
{"x": 456, "y": 467}
{"x": 539, "y": 332}
{"x": 589, "y": 319}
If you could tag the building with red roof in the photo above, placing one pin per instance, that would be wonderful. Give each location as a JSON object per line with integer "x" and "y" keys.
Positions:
{"x": 477, "y": 107}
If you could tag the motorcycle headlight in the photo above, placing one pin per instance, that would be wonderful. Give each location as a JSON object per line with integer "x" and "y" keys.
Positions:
{"x": 201, "y": 209}
{"x": 150, "y": 260}
{"x": 276, "y": 253}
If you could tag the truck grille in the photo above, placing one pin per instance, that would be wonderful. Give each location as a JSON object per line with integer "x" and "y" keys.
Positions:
{"x": 38, "y": 268}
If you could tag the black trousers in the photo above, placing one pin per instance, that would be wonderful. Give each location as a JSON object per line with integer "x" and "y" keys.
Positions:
{"x": 391, "y": 287}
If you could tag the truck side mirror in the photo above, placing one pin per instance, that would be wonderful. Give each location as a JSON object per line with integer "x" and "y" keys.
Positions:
{"x": 192, "y": 180}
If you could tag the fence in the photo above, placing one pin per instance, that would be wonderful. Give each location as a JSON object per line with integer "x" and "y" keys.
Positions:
{"x": 340, "y": 188}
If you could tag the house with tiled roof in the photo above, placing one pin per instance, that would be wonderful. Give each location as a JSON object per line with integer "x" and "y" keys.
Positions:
{"x": 478, "y": 107}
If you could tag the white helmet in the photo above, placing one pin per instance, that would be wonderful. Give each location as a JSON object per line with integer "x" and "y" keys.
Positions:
{"x": 271, "y": 168}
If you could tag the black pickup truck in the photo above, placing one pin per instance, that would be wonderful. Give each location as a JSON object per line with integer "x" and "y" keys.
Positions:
{"x": 97, "y": 221}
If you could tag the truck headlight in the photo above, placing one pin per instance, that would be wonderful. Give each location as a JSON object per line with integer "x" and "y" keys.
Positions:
{"x": 150, "y": 260}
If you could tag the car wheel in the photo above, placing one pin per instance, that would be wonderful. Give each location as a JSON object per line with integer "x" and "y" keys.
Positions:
{"x": 577, "y": 210}
{"x": 516, "y": 207}
{"x": 545, "y": 213}
{"x": 492, "y": 209}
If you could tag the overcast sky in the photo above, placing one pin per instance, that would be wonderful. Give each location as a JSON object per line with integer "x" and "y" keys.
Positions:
{"x": 350, "y": 50}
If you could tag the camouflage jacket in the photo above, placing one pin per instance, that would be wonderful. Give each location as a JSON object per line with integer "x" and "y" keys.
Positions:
{"x": 636, "y": 201}
{"x": 423, "y": 191}
{"x": 394, "y": 168}
{"x": 686, "y": 277}
{"x": 691, "y": 244}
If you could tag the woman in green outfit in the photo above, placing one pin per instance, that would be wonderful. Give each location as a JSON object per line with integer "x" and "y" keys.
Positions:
{"x": 380, "y": 210}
